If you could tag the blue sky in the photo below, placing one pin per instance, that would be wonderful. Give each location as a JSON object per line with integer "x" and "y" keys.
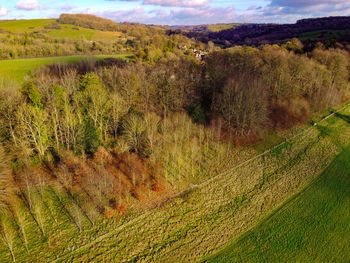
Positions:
{"x": 178, "y": 12}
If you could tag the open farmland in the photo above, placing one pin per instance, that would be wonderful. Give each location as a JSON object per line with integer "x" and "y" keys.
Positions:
{"x": 17, "y": 69}
{"x": 20, "y": 26}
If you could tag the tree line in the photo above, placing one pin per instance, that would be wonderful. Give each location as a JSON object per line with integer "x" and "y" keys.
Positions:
{"x": 252, "y": 90}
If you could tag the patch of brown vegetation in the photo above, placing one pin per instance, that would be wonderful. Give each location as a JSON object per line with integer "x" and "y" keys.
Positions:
{"x": 158, "y": 187}
{"x": 286, "y": 113}
{"x": 108, "y": 213}
{"x": 223, "y": 132}
{"x": 249, "y": 139}
{"x": 121, "y": 208}
{"x": 108, "y": 180}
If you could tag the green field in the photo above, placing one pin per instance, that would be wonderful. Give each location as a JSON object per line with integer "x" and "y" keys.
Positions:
{"x": 65, "y": 31}
{"x": 324, "y": 34}
{"x": 16, "y": 69}
{"x": 313, "y": 226}
{"x": 20, "y": 26}
{"x": 220, "y": 27}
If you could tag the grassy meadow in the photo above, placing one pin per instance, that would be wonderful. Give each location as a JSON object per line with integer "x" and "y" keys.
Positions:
{"x": 17, "y": 69}
{"x": 313, "y": 226}
{"x": 20, "y": 26}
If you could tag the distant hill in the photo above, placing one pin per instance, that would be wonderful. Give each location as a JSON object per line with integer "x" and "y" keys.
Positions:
{"x": 88, "y": 21}
{"x": 314, "y": 29}
{"x": 205, "y": 27}
{"x": 98, "y": 23}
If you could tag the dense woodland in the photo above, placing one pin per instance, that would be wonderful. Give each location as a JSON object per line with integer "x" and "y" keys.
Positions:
{"x": 120, "y": 131}
{"x": 246, "y": 91}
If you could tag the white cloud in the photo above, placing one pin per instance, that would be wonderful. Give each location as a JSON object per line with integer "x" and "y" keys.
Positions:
{"x": 309, "y": 8}
{"x": 176, "y": 16}
{"x": 3, "y": 11}
{"x": 27, "y": 4}
{"x": 179, "y": 3}
{"x": 67, "y": 7}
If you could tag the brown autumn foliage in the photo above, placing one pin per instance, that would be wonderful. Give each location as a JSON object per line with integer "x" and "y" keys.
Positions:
{"x": 285, "y": 113}
{"x": 107, "y": 179}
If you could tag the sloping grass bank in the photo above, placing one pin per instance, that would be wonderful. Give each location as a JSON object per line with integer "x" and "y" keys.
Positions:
{"x": 312, "y": 227}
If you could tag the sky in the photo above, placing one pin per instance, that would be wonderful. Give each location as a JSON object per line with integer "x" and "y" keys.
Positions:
{"x": 179, "y": 12}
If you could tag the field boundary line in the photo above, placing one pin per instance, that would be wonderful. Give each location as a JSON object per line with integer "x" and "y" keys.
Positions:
{"x": 144, "y": 214}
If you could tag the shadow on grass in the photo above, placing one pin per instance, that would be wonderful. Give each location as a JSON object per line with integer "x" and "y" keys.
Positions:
{"x": 343, "y": 117}
{"x": 290, "y": 232}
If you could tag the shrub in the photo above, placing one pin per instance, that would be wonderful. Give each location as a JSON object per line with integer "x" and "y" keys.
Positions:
{"x": 197, "y": 113}
{"x": 32, "y": 94}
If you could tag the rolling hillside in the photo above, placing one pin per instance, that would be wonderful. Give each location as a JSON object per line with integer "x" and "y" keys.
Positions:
{"x": 327, "y": 30}
{"x": 124, "y": 142}
{"x": 51, "y": 28}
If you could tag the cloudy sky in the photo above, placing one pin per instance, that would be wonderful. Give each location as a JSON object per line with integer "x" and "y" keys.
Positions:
{"x": 178, "y": 12}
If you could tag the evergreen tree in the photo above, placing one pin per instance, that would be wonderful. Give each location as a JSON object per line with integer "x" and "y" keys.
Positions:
{"x": 91, "y": 140}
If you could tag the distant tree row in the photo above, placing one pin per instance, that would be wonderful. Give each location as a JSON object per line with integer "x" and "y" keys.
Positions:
{"x": 88, "y": 21}
{"x": 15, "y": 47}
{"x": 99, "y": 23}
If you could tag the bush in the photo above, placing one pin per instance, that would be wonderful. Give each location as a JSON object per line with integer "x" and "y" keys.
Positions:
{"x": 32, "y": 94}
{"x": 197, "y": 113}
